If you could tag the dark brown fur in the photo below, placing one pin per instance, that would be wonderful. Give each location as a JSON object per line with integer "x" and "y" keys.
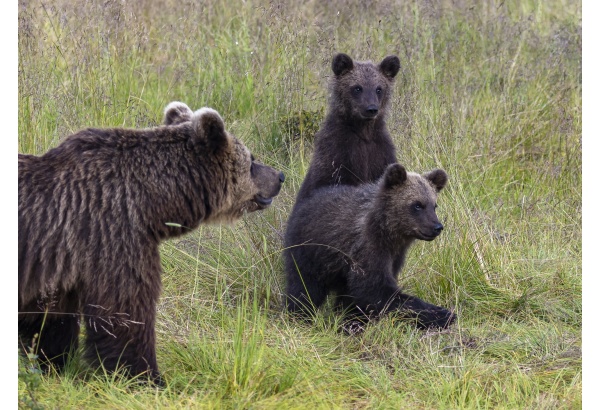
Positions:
{"x": 92, "y": 213}
{"x": 352, "y": 241}
{"x": 353, "y": 145}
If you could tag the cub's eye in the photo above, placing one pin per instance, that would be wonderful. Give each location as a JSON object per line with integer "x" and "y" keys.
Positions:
{"x": 357, "y": 89}
{"x": 418, "y": 206}
{"x": 378, "y": 90}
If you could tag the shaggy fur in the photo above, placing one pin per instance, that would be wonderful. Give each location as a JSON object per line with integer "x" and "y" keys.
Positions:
{"x": 92, "y": 213}
{"x": 356, "y": 245}
{"x": 353, "y": 145}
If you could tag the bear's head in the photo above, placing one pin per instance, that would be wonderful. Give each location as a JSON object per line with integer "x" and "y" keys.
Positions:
{"x": 407, "y": 201}
{"x": 362, "y": 90}
{"x": 231, "y": 171}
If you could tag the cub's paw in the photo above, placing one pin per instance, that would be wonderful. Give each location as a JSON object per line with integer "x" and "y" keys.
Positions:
{"x": 435, "y": 317}
{"x": 353, "y": 327}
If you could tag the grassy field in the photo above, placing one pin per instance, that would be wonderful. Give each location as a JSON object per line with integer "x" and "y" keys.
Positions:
{"x": 490, "y": 91}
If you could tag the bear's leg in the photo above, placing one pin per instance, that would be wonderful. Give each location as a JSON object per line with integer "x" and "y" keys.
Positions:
{"x": 426, "y": 314}
{"x": 382, "y": 295}
{"x": 117, "y": 338}
{"x": 354, "y": 318}
{"x": 304, "y": 294}
{"x": 345, "y": 303}
{"x": 57, "y": 333}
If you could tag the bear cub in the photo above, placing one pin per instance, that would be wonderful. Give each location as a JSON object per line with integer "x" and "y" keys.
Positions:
{"x": 353, "y": 145}
{"x": 355, "y": 245}
{"x": 92, "y": 212}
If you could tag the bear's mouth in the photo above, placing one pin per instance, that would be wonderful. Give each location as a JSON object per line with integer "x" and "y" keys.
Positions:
{"x": 427, "y": 237}
{"x": 261, "y": 201}
{"x": 369, "y": 115}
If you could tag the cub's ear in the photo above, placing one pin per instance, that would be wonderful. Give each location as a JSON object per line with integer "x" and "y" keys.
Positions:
{"x": 176, "y": 113}
{"x": 395, "y": 175}
{"x": 210, "y": 129}
{"x": 341, "y": 64}
{"x": 438, "y": 178}
{"x": 390, "y": 66}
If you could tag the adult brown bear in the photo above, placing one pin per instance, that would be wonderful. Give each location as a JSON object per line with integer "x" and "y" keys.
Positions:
{"x": 92, "y": 213}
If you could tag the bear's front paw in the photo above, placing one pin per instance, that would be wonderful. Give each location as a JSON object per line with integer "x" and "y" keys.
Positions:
{"x": 353, "y": 327}
{"x": 435, "y": 317}
{"x": 158, "y": 381}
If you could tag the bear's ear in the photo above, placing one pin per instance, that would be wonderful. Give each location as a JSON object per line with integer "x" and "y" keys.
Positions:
{"x": 390, "y": 66}
{"x": 394, "y": 175}
{"x": 341, "y": 64}
{"x": 209, "y": 128}
{"x": 438, "y": 178}
{"x": 176, "y": 113}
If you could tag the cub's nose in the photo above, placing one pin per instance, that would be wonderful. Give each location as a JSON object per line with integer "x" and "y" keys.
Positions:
{"x": 281, "y": 177}
{"x": 438, "y": 228}
{"x": 372, "y": 109}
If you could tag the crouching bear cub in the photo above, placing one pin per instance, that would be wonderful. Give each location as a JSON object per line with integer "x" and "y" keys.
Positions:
{"x": 355, "y": 246}
{"x": 92, "y": 213}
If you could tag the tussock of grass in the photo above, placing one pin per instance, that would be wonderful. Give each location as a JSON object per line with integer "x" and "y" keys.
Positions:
{"x": 489, "y": 91}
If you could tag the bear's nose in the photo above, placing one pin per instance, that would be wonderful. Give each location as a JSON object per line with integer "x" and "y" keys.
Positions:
{"x": 438, "y": 228}
{"x": 281, "y": 177}
{"x": 372, "y": 109}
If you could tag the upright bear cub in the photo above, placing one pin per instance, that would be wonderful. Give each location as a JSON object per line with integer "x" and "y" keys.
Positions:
{"x": 356, "y": 243}
{"x": 353, "y": 145}
{"x": 92, "y": 213}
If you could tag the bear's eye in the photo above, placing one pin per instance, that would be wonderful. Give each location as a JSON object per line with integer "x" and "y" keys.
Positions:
{"x": 417, "y": 206}
{"x": 251, "y": 163}
{"x": 357, "y": 89}
{"x": 378, "y": 90}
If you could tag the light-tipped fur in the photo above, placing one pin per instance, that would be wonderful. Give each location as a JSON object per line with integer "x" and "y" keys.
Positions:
{"x": 92, "y": 213}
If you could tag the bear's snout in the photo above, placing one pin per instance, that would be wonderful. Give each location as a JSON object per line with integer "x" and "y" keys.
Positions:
{"x": 436, "y": 229}
{"x": 430, "y": 232}
{"x": 268, "y": 181}
{"x": 372, "y": 110}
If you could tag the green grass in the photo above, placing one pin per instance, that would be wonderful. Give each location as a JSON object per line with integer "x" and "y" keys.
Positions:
{"x": 489, "y": 91}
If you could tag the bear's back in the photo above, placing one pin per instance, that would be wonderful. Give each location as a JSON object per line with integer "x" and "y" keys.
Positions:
{"x": 332, "y": 216}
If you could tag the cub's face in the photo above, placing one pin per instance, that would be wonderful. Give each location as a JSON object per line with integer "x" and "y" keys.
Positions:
{"x": 411, "y": 201}
{"x": 362, "y": 89}
{"x": 246, "y": 184}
